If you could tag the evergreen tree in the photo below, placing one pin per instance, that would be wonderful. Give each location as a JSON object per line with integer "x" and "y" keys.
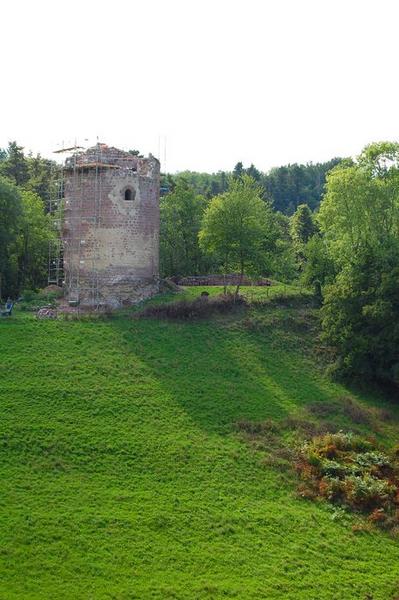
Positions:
{"x": 15, "y": 165}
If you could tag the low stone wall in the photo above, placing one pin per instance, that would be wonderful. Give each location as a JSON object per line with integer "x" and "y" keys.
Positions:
{"x": 231, "y": 279}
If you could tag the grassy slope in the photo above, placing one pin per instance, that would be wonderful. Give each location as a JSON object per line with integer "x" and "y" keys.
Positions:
{"x": 122, "y": 476}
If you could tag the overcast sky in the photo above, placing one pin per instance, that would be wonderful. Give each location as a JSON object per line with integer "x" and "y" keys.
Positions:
{"x": 262, "y": 81}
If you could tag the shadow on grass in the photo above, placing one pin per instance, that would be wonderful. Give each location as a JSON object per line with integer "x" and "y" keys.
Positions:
{"x": 219, "y": 374}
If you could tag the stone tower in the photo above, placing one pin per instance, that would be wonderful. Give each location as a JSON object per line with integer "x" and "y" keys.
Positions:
{"x": 110, "y": 227}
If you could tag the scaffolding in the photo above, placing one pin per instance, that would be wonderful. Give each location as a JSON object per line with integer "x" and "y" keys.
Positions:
{"x": 76, "y": 209}
{"x": 55, "y": 248}
{"x": 67, "y": 225}
{"x": 81, "y": 272}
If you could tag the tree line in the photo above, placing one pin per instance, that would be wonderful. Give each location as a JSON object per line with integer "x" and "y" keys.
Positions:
{"x": 353, "y": 260}
{"x": 286, "y": 187}
{"x": 25, "y": 228}
{"x": 333, "y": 226}
{"x": 347, "y": 250}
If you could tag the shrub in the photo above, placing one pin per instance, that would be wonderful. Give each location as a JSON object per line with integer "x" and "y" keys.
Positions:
{"x": 193, "y": 309}
{"x": 367, "y": 493}
{"x": 256, "y": 427}
{"x": 354, "y": 411}
{"x": 350, "y": 471}
{"x": 322, "y": 409}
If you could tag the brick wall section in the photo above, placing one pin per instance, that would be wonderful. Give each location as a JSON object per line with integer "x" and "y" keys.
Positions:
{"x": 111, "y": 245}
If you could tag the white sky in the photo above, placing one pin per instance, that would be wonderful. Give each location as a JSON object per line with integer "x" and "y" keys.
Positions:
{"x": 262, "y": 81}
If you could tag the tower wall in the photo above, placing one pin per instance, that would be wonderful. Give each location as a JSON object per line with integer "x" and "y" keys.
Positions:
{"x": 111, "y": 228}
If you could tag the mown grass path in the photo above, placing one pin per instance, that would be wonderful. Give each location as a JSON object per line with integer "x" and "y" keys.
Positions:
{"x": 122, "y": 476}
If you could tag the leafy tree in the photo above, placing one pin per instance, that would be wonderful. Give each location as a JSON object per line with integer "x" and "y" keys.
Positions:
{"x": 35, "y": 232}
{"x": 10, "y": 219}
{"x": 318, "y": 267}
{"x": 361, "y": 207}
{"x": 239, "y": 228}
{"x": 359, "y": 219}
{"x": 283, "y": 266}
{"x": 24, "y": 236}
{"x": 42, "y": 173}
{"x": 181, "y": 213}
{"x": 360, "y": 315}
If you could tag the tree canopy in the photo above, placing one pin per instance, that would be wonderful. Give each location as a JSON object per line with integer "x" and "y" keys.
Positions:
{"x": 359, "y": 221}
{"x": 180, "y": 219}
{"x": 239, "y": 228}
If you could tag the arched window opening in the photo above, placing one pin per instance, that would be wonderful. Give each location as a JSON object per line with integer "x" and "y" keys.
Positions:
{"x": 129, "y": 194}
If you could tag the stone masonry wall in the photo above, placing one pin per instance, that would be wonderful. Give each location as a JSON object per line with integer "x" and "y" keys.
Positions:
{"x": 111, "y": 245}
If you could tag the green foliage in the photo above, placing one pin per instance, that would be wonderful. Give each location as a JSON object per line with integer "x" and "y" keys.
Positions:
{"x": 33, "y": 173}
{"x": 293, "y": 185}
{"x": 33, "y": 241}
{"x": 32, "y": 300}
{"x": 181, "y": 213}
{"x": 238, "y": 171}
{"x": 348, "y": 470}
{"x": 239, "y": 228}
{"x": 10, "y": 219}
{"x": 283, "y": 263}
{"x": 199, "y": 308}
{"x": 24, "y": 237}
{"x": 359, "y": 218}
{"x": 136, "y": 153}
{"x": 14, "y": 165}
{"x": 318, "y": 264}
{"x": 42, "y": 173}
{"x": 302, "y": 226}
{"x": 25, "y": 230}
{"x": 204, "y": 184}
{"x": 360, "y": 317}
{"x": 286, "y": 187}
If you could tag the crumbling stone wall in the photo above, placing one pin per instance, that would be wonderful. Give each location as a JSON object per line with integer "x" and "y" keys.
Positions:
{"x": 111, "y": 227}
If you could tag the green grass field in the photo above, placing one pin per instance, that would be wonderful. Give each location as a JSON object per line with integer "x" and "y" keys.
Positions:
{"x": 123, "y": 475}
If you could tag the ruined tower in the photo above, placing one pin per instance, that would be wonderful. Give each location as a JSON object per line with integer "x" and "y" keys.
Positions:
{"x": 110, "y": 227}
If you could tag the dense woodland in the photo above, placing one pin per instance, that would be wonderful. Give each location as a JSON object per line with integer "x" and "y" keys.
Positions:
{"x": 333, "y": 226}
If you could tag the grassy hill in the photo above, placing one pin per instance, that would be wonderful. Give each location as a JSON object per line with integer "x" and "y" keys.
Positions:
{"x": 124, "y": 475}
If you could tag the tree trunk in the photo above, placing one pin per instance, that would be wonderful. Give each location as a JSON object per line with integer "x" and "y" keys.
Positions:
{"x": 240, "y": 280}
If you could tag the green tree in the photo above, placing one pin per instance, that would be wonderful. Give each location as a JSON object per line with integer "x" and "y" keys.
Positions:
{"x": 42, "y": 173}
{"x": 253, "y": 172}
{"x": 291, "y": 185}
{"x": 302, "y": 225}
{"x": 180, "y": 215}
{"x": 360, "y": 315}
{"x": 302, "y": 228}
{"x": 239, "y": 228}
{"x": 318, "y": 264}
{"x": 35, "y": 233}
{"x": 15, "y": 165}
{"x": 284, "y": 265}
{"x": 359, "y": 219}
{"x": 238, "y": 170}
{"x": 10, "y": 220}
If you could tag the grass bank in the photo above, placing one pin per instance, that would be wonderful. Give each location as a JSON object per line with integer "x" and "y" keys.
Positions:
{"x": 124, "y": 476}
